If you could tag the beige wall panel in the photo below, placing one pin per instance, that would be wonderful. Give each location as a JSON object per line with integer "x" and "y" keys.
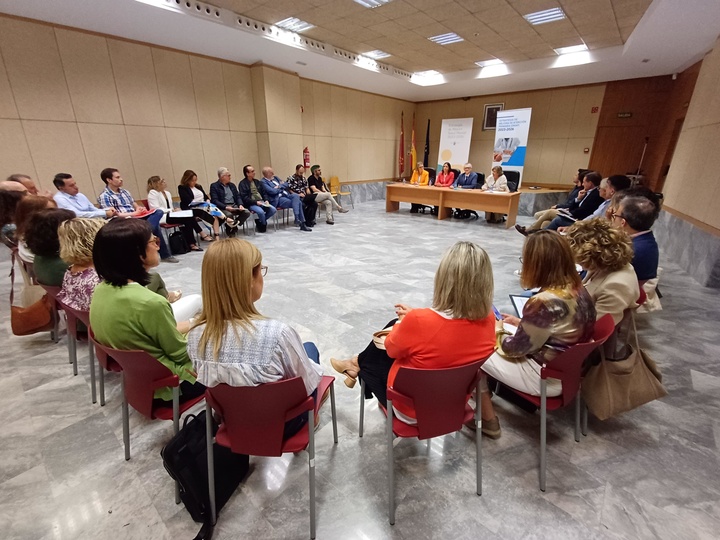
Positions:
{"x": 275, "y": 100}
{"x": 186, "y": 152}
{"x": 340, "y": 157}
{"x": 245, "y": 150}
{"x": 380, "y": 166}
{"x": 560, "y": 114}
{"x": 239, "y": 96}
{"x": 150, "y": 155}
{"x": 279, "y": 150}
{"x": 369, "y": 115}
{"x": 706, "y": 89}
{"x": 55, "y": 147}
{"x": 685, "y": 153}
{"x": 339, "y": 111}
{"x": 539, "y": 102}
{"x": 136, "y": 84}
{"x": 532, "y": 162}
{"x": 551, "y": 160}
{"x": 388, "y": 119}
{"x": 308, "y": 107}
{"x": 295, "y": 151}
{"x": 89, "y": 77}
{"x": 387, "y": 166}
{"x": 209, "y": 87}
{"x": 481, "y": 155}
{"x": 701, "y": 202}
{"x": 106, "y": 145}
{"x": 14, "y": 152}
{"x": 356, "y": 158}
{"x": 575, "y": 158}
{"x": 354, "y": 116}
{"x": 323, "y": 114}
{"x": 263, "y": 146}
{"x": 323, "y": 151}
{"x": 292, "y": 123}
{"x": 175, "y": 85}
{"x": 7, "y": 101}
{"x": 217, "y": 149}
{"x": 584, "y": 123}
{"x": 35, "y": 70}
{"x": 257, "y": 78}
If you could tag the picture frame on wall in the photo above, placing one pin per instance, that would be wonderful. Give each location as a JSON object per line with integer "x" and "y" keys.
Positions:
{"x": 490, "y": 115}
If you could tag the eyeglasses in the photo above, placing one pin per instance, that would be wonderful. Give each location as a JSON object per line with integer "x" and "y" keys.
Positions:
{"x": 263, "y": 270}
{"x": 521, "y": 260}
{"x": 617, "y": 214}
{"x": 154, "y": 240}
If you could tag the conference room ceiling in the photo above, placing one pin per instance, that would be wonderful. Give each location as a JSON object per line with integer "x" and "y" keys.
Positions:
{"x": 625, "y": 38}
{"x": 490, "y": 28}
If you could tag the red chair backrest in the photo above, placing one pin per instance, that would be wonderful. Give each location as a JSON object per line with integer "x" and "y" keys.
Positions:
{"x": 255, "y": 416}
{"x": 53, "y": 293}
{"x": 145, "y": 203}
{"x": 143, "y": 374}
{"x": 567, "y": 365}
{"x": 73, "y": 315}
{"x": 438, "y": 396}
{"x": 643, "y": 295}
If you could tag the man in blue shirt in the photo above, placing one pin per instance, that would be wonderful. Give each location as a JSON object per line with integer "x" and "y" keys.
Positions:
{"x": 69, "y": 197}
{"x": 636, "y": 215}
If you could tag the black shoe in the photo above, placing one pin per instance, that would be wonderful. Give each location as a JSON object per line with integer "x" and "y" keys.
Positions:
{"x": 260, "y": 227}
{"x": 305, "y": 228}
{"x": 230, "y": 231}
{"x": 521, "y": 230}
{"x": 330, "y": 222}
{"x": 311, "y": 223}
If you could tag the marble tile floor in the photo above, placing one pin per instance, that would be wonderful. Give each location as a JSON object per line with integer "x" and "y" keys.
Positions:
{"x": 651, "y": 473}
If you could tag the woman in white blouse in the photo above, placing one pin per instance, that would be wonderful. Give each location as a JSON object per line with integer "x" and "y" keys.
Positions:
{"x": 193, "y": 197}
{"x": 232, "y": 342}
{"x": 495, "y": 182}
{"x": 160, "y": 197}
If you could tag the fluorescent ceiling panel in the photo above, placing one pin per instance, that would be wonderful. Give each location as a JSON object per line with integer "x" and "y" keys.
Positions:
{"x": 545, "y": 16}
{"x": 446, "y": 39}
{"x": 293, "y": 24}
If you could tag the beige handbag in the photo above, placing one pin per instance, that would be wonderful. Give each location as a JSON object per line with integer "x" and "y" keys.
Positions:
{"x": 614, "y": 387}
{"x": 379, "y": 337}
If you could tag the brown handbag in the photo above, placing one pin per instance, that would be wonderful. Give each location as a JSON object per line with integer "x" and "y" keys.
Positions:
{"x": 614, "y": 387}
{"x": 37, "y": 317}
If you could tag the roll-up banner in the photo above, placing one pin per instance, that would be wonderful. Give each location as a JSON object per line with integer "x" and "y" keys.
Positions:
{"x": 511, "y": 136}
{"x": 455, "y": 136}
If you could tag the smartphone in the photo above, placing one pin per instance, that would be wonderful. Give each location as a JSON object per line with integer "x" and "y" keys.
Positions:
{"x": 497, "y": 313}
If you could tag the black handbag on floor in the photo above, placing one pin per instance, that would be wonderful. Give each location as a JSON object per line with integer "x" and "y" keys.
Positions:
{"x": 185, "y": 459}
{"x": 178, "y": 245}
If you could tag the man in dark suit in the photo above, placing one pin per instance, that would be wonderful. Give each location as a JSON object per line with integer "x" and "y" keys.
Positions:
{"x": 224, "y": 194}
{"x": 587, "y": 201}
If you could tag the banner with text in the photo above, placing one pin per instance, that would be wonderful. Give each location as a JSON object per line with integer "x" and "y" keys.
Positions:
{"x": 511, "y": 136}
{"x": 455, "y": 136}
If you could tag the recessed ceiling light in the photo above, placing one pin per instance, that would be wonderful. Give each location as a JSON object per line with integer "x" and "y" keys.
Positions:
{"x": 293, "y": 24}
{"x": 377, "y": 54}
{"x": 428, "y": 73}
{"x": 446, "y": 39}
{"x": 545, "y": 16}
{"x": 371, "y": 3}
{"x": 498, "y": 70}
{"x": 486, "y": 63}
{"x": 573, "y": 59}
{"x": 427, "y": 78}
{"x": 573, "y": 49}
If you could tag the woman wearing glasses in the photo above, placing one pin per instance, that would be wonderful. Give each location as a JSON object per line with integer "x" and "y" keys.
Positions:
{"x": 125, "y": 315}
{"x": 232, "y": 342}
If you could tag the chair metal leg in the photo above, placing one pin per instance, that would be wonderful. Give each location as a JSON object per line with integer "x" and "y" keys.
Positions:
{"x": 478, "y": 439}
{"x": 584, "y": 418}
{"x": 332, "y": 409}
{"x": 176, "y": 428}
{"x": 362, "y": 407}
{"x": 391, "y": 464}
{"x": 210, "y": 460}
{"x": 577, "y": 417}
{"x": 125, "y": 420}
{"x": 543, "y": 431}
{"x": 72, "y": 348}
{"x": 91, "y": 359}
{"x": 102, "y": 385}
{"x": 311, "y": 472}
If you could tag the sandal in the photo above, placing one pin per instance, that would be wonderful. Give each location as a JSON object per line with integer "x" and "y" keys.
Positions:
{"x": 205, "y": 237}
{"x": 350, "y": 379}
{"x": 195, "y": 247}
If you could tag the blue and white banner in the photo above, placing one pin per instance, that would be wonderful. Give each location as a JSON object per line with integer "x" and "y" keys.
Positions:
{"x": 511, "y": 136}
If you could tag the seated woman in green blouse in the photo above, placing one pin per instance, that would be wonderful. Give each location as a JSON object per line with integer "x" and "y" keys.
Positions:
{"x": 125, "y": 315}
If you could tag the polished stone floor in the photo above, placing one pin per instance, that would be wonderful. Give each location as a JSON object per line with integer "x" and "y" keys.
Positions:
{"x": 651, "y": 473}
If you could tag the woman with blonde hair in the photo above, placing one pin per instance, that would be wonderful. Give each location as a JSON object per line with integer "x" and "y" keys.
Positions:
{"x": 160, "y": 197}
{"x": 496, "y": 181}
{"x": 77, "y": 237}
{"x": 459, "y": 329}
{"x": 558, "y": 316}
{"x": 232, "y": 342}
{"x": 605, "y": 252}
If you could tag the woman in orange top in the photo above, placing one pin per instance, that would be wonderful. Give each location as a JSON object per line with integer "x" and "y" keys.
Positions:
{"x": 458, "y": 330}
{"x": 420, "y": 176}
{"x": 446, "y": 177}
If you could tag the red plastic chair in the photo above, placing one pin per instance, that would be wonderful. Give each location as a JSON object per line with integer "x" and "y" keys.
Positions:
{"x": 75, "y": 335}
{"x": 106, "y": 364}
{"x": 440, "y": 399}
{"x": 566, "y": 367}
{"x": 253, "y": 420}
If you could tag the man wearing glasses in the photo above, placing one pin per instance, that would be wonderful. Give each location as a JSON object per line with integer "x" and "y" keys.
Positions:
{"x": 636, "y": 215}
